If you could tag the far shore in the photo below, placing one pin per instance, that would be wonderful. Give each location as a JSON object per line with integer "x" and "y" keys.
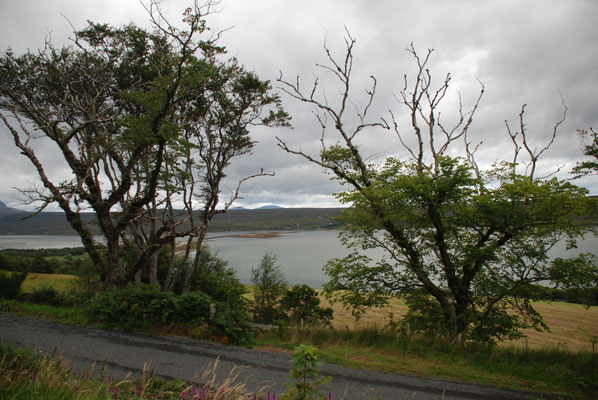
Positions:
{"x": 248, "y": 235}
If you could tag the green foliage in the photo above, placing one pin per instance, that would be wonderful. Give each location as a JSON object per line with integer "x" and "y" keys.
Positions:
{"x": 45, "y": 295}
{"x": 220, "y": 282}
{"x": 425, "y": 317}
{"x": 125, "y": 106}
{"x": 44, "y": 261}
{"x": 482, "y": 237}
{"x": 141, "y": 307}
{"x": 303, "y": 304}
{"x": 87, "y": 283}
{"x": 269, "y": 285}
{"x": 10, "y": 284}
{"x": 306, "y": 373}
{"x": 471, "y": 237}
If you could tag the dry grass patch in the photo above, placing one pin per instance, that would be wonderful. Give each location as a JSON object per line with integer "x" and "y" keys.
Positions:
{"x": 571, "y": 325}
{"x": 61, "y": 283}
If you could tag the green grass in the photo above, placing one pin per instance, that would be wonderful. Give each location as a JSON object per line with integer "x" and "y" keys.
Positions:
{"x": 549, "y": 370}
{"x": 71, "y": 314}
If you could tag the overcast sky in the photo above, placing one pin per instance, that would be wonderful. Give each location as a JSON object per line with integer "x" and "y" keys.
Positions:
{"x": 525, "y": 52}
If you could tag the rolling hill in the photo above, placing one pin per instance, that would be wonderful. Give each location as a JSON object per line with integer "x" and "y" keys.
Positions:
{"x": 15, "y": 222}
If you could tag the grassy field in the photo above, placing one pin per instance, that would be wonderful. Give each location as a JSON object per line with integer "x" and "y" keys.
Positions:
{"x": 571, "y": 325}
{"x": 61, "y": 283}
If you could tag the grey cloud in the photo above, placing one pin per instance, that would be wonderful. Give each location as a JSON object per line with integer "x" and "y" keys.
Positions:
{"x": 524, "y": 52}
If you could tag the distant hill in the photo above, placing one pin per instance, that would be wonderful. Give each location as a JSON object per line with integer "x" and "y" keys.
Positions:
{"x": 13, "y": 221}
{"x": 269, "y": 207}
{"x": 5, "y": 208}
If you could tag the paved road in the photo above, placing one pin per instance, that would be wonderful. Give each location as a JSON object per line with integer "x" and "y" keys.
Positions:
{"x": 172, "y": 357}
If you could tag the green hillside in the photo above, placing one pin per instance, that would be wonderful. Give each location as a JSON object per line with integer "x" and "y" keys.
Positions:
{"x": 55, "y": 223}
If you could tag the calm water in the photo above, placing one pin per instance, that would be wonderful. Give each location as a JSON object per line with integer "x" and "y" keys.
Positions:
{"x": 301, "y": 255}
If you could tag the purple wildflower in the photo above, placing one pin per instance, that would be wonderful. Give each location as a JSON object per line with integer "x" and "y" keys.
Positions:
{"x": 329, "y": 396}
{"x": 137, "y": 391}
{"x": 184, "y": 395}
{"x": 116, "y": 392}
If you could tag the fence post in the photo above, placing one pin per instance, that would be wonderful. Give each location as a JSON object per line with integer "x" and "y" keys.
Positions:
{"x": 212, "y": 311}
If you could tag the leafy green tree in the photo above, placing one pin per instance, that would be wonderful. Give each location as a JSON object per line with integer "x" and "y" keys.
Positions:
{"x": 116, "y": 105}
{"x": 469, "y": 237}
{"x": 269, "y": 285}
{"x": 303, "y": 304}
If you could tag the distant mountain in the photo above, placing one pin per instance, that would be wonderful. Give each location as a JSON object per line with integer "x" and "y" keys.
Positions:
{"x": 269, "y": 207}
{"x": 4, "y": 209}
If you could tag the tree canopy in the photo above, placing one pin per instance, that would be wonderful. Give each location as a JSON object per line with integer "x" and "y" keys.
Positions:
{"x": 119, "y": 105}
{"x": 461, "y": 241}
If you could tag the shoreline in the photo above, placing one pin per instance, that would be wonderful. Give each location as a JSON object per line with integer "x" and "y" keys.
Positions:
{"x": 248, "y": 235}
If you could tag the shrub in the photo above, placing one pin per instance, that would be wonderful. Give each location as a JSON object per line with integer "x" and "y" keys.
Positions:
{"x": 140, "y": 306}
{"x": 45, "y": 295}
{"x": 87, "y": 283}
{"x": 303, "y": 303}
{"x": 135, "y": 307}
{"x": 306, "y": 373}
{"x": 10, "y": 284}
{"x": 215, "y": 278}
{"x": 270, "y": 285}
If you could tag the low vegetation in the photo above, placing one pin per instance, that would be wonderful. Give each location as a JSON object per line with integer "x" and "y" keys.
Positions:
{"x": 559, "y": 361}
{"x": 25, "y": 374}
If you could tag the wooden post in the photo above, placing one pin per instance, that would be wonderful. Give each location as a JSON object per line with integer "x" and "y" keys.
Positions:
{"x": 212, "y": 311}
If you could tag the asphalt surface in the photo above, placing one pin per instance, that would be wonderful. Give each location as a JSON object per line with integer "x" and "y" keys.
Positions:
{"x": 172, "y": 357}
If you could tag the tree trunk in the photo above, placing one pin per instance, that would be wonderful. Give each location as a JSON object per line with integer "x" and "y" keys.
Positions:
{"x": 153, "y": 269}
{"x": 192, "y": 273}
{"x": 112, "y": 264}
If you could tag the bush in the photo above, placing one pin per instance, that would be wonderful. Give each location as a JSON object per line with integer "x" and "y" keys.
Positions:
{"x": 139, "y": 307}
{"x": 45, "y": 295}
{"x": 87, "y": 284}
{"x": 135, "y": 307}
{"x": 10, "y": 284}
{"x": 217, "y": 280}
{"x": 303, "y": 303}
